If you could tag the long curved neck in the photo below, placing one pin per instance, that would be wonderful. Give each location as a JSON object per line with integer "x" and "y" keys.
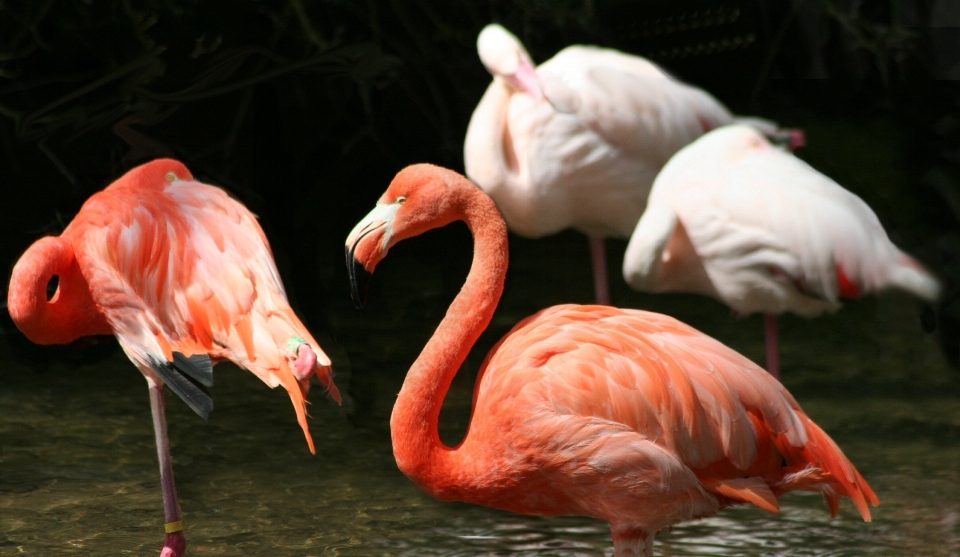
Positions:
{"x": 416, "y": 441}
{"x": 71, "y": 313}
{"x": 488, "y": 158}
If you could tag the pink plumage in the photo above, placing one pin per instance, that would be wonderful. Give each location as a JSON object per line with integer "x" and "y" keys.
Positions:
{"x": 183, "y": 276}
{"x": 623, "y": 415}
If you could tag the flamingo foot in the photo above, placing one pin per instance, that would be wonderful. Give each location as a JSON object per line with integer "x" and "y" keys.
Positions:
{"x": 175, "y": 545}
{"x": 306, "y": 363}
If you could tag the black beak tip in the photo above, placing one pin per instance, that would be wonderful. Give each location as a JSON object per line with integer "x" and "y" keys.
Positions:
{"x": 359, "y": 282}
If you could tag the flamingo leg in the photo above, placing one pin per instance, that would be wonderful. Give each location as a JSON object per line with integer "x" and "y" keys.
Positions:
{"x": 631, "y": 542}
{"x": 598, "y": 255}
{"x": 175, "y": 545}
{"x": 773, "y": 350}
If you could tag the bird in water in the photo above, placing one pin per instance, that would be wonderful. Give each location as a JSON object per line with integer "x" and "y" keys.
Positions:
{"x": 733, "y": 217}
{"x": 623, "y": 415}
{"x": 183, "y": 276}
{"x": 577, "y": 141}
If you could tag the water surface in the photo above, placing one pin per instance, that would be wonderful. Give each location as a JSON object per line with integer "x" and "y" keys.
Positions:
{"x": 79, "y": 473}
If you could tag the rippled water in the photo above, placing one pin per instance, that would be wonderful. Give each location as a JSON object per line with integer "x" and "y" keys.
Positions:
{"x": 79, "y": 473}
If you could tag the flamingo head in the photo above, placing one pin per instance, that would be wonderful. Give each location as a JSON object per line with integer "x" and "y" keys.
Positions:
{"x": 154, "y": 175}
{"x": 420, "y": 198}
{"x": 49, "y": 298}
{"x": 505, "y": 58}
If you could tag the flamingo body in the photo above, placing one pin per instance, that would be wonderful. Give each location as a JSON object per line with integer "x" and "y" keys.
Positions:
{"x": 183, "y": 276}
{"x": 634, "y": 417}
{"x": 623, "y": 415}
{"x": 733, "y": 217}
{"x": 577, "y": 141}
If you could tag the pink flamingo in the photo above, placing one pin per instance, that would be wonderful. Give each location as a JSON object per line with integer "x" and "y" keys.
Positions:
{"x": 183, "y": 276}
{"x": 733, "y": 217}
{"x": 577, "y": 141}
{"x": 623, "y": 415}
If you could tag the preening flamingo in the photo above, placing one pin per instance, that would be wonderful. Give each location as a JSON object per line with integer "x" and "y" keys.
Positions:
{"x": 623, "y": 415}
{"x": 183, "y": 276}
{"x": 736, "y": 218}
{"x": 577, "y": 141}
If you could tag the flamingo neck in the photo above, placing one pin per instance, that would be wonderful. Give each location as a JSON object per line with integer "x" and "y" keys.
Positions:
{"x": 416, "y": 441}
{"x": 488, "y": 152}
{"x": 71, "y": 313}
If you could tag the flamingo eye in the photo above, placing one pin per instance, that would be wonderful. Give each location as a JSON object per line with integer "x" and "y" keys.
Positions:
{"x": 171, "y": 176}
{"x": 401, "y": 200}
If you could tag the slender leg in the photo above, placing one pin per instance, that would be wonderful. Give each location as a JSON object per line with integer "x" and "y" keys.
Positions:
{"x": 773, "y": 351}
{"x": 631, "y": 542}
{"x": 175, "y": 545}
{"x": 598, "y": 255}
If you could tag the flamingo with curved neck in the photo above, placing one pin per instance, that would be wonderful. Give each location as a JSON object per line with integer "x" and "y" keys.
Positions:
{"x": 623, "y": 415}
{"x": 183, "y": 276}
{"x": 577, "y": 141}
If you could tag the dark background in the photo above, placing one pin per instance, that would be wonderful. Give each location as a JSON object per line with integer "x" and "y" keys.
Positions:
{"x": 305, "y": 110}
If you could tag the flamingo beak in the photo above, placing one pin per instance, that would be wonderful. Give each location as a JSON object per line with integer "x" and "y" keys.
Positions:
{"x": 525, "y": 78}
{"x": 359, "y": 282}
{"x": 366, "y": 245}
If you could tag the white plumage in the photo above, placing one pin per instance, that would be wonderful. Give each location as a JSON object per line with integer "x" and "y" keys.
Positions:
{"x": 577, "y": 141}
{"x": 734, "y": 217}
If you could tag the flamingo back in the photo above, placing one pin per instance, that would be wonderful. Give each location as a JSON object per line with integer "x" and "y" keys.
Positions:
{"x": 685, "y": 405}
{"x": 185, "y": 268}
{"x": 771, "y": 232}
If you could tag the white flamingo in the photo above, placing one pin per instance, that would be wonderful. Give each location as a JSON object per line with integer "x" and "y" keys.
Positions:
{"x": 578, "y": 141}
{"x": 733, "y": 217}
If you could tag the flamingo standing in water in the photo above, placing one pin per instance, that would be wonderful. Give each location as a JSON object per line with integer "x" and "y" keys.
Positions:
{"x": 733, "y": 217}
{"x": 623, "y": 415}
{"x": 183, "y": 276}
{"x": 577, "y": 141}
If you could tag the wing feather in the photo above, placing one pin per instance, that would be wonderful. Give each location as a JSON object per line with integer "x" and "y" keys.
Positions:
{"x": 721, "y": 415}
{"x": 773, "y": 233}
{"x": 189, "y": 270}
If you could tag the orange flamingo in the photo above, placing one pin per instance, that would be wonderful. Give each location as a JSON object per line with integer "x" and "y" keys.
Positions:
{"x": 183, "y": 276}
{"x": 623, "y": 415}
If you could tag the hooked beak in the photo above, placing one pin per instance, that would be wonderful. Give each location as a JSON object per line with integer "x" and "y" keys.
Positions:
{"x": 366, "y": 245}
{"x": 525, "y": 78}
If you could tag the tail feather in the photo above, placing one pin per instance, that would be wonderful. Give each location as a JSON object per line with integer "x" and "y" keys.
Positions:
{"x": 791, "y": 138}
{"x": 325, "y": 372}
{"x": 913, "y": 278}
{"x": 747, "y": 490}
{"x": 820, "y": 465}
{"x": 295, "y": 390}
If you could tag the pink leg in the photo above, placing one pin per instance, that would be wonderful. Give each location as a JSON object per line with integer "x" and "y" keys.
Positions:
{"x": 175, "y": 545}
{"x": 631, "y": 542}
{"x": 773, "y": 352}
{"x": 598, "y": 255}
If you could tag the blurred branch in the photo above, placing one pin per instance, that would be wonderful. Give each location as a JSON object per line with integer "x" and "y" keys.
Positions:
{"x": 308, "y": 29}
{"x": 885, "y": 42}
{"x": 141, "y": 65}
{"x": 339, "y": 60}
